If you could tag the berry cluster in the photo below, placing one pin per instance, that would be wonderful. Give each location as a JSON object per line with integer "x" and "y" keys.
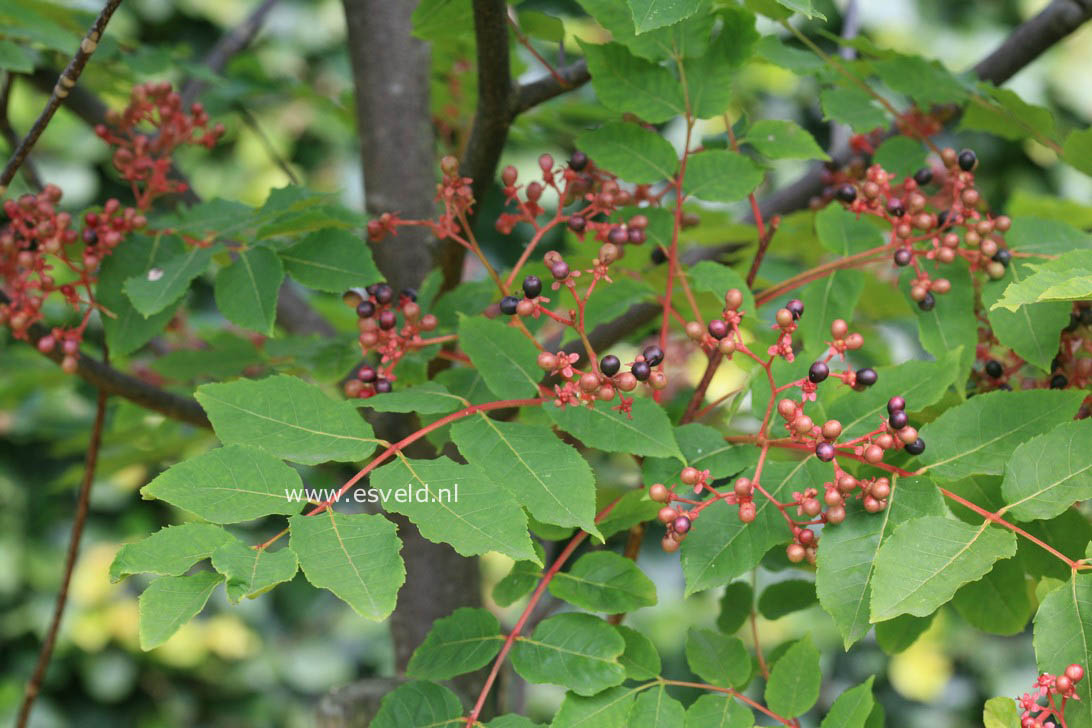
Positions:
{"x": 457, "y": 197}
{"x": 1057, "y": 690}
{"x": 148, "y": 132}
{"x": 377, "y": 309}
{"x": 44, "y": 251}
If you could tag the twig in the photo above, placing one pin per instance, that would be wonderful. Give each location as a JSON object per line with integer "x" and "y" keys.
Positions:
{"x": 526, "y": 43}
{"x": 533, "y": 93}
{"x": 8, "y": 132}
{"x": 90, "y": 461}
{"x": 65, "y": 82}
{"x": 252, "y": 122}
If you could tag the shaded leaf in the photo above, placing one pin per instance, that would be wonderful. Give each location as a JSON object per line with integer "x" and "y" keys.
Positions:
{"x": 460, "y": 643}
{"x": 577, "y": 651}
{"x": 603, "y": 581}
{"x": 250, "y": 572}
{"x": 170, "y": 551}
{"x": 794, "y": 681}
{"x": 171, "y": 601}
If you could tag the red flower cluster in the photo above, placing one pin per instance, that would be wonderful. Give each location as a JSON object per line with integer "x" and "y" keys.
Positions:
{"x": 1061, "y": 687}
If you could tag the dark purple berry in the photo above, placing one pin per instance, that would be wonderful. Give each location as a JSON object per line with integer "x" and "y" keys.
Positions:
{"x": 658, "y": 256}
{"x": 578, "y": 161}
{"x": 846, "y": 193}
{"x": 653, "y": 355}
{"x": 718, "y": 329}
{"x": 681, "y": 524}
{"x": 818, "y": 372}
{"x": 577, "y": 223}
{"x": 365, "y": 309}
{"x": 917, "y": 447}
{"x": 796, "y": 308}
{"x": 1003, "y": 256}
{"x": 1086, "y": 316}
{"x": 895, "y": 208}
{"x": 867, "y": 376}
{"x": 609, "y": 365}
{"x": 896, "y": 404}
{"x": 372, "y": 289}
{"x": 532, "y": 286}
{"x": 383, "y": 293}
{"x": 560, "y": 270}
{"x": 410, "y": 294}
{"x": 942, "y": 218}
{"x": 618, "y": 236}
{"x": 387, "y": 320}
{"x": 382, "y": 386}
{"x": 967, "y": 160}
{"x": 923, "y": 176}
{"x": 90, "y": 237}
{"x": 928, "y": 303}
{"x": 994, "y": 368}
{"x": 1058, "y": 381}
{"x": 824, "y": 451}
{"x": 366, "y": 374}
{"x": 636, "y": 236}
{"x": 641, "y": 370}
{"x": 508, "y": 305}
{"x": 903, "y": 256}
{"x": 898, "y": 419}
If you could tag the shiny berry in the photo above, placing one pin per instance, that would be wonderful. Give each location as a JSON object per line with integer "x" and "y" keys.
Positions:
{"x": 994, "y": 368}
{"x": 967, "y": 160}
{"x": 654, "y": 355}
{"x": 509, "y": 304}
{"x": 818, "y": 372}
{"x": 867, "y": 376}
{"x": 365, "y": 309}
{"x": 641, "y": 370}
{"x": 658, "y": 256}
{"x": 532, "y": 286}
{"x": 898, "y": 419}
{"x": 1003, "y": 256}
{"x": 1058, "y": 381}
{"x": 578, "y": 161}
{"x": 577, "y": 223}
{"x": 718, "y": 329}
{"x": 896, "y": 404}
{"x": 903, "y": 256}
{"x": 795, "y": 307}
{"x": 560, "y": 270}
{"x": 636, "y": 236}
{"x": 387, "y": 320}
{"x": 1074, "y": 673}
{"x": 824, "y": 451}
{"x": 382, "y": 386}
{"x": 366, "y": 374}
{"x": 609, "y": 365}
{"x": 681, "y": 524}
{"x": 617, "y": 235}
{"x": 928, "y": 303}
{"x": 895, "y": 208}
{"x": 384, "y": 293}
{"x": 846, "y": 193}
{"x": 917, "y": 447}
{"x": 410, "y": 294}
{"x": 659, "y": 493}
{"x": 923, "y": 176}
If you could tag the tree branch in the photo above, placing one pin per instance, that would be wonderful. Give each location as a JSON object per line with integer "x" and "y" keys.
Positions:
{"x": 1032, "y": 38}
{"x": 533, "y": 93}
{"x": 64, "y": 84}
{"x": 10, "y": 135}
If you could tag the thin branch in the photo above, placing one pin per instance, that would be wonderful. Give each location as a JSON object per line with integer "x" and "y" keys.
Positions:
{"x": 250, "y": 120}
{"x": 90, "y": 461}
{"x": 65, "y": 82}
{"x": 11, "y": 137}
{"x": 533, "y": 93}
{"x": 1032, "y": 38}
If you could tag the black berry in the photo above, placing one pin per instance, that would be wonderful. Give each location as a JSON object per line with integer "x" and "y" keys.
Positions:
{"x": 384, "y": 293}
{"x": 658, "y": 255}
{"x": 994, "y": 368}
{"x": 577, "y": 223}
{"x": 1058, "y": 381}
{"x": 560, "y": 270}
{"x": 818, "y": 372}
{"x": 896, "y": 404}
{"x": 532, "y": 286}
{"x": 928, "y": 303}
{"x": 718, "y": 329}
{"x": 578, "y": 161}
{"x": 846, "y": 193}
{"x": 1086, "y": 316}
{"x": 641, "y": 370}
{"x": 365, "y": 309}
{"x": 796, "y": 308}
{"x": 898, "y": 419}
{"x": 653, "y": 355}
{"x": 917, "y": 447}
{"x": 636, "y": 236}
{"x": 90, "y": 237}
{"x": 382, "y": 386}
{"x": 942, "y": 218}
{"x": 410, "y": 294}
{"x": 618, "y": 236}
{"x": 895, "y": 208}
{"x": 967, "y": 160}
{"x": 372, "y": 289}
{"x": 387, "y": 320}
{"x": 867, "y": 376}
{"x": 923, "y": 176}
{"x": 1003, "y": 256}
{"x": 824, "y": 451}
{"x": 509, "y": 304}
{"x": 903, "y": 256}
{"x": 609, "y": 365}
{"x": 366, "y": 374}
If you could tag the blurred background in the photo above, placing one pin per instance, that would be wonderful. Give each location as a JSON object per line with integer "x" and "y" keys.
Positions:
{"x": 287, "y": 105}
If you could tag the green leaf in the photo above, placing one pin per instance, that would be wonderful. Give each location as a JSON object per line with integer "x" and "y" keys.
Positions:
{"x": 230, "y": 484}
{"x": 354, "y": 556}
{"x": 721, "y": 547}
{"x": 427, "y": 398}
{"x": 735, "y": 607}
{"x": 785, "y": 597}
{"x": 577, "y": 651}
{"x": 545, "y": 475}
{"x": 247, "y": 290}
{"x": 901, "y": 155}
{"x": 927, "y": 559}
{"x": 419, "y": 705}
{"x": 506, "y": 359}
{"x": 898, "y": 634}
{"x": 651, "y": 14}
{"x": 852, "y": 708}
{"x": 978, "y": 435}
{"x": 631, "y": 152}
{"x": 842, "y": 232}
{"x": 831, "y": 297}
{"x": 1032, "y": 330}
{"x": 710, "y": 76}
{"x": 170, "y": 551}
{"x": 250, "y": 572}
{"x": 717, "y": 175}
{"x": 171, "y": 601}
{"x": 852, "y": 106}
{"x": 794, "y": 681}
{"x": 997, "y": 603}
{"x": 1066, "y": 278}
{"x": 128, "y": 329}
{"x": 783, "y": 140}
{"x": 925, "y": 82}
{"x": 952, "y": 321}
{"x": 1063, "y": 636}
{"x": 15, "y": 58}
{"x": 717, "y": 658}
{"x": 718, "y": 279}
{"x": 603, "y": 581}
{"x": 1077, "y": 150}
{"x": 162, "y": 283}
{"x": 656, "y": 709}
{"x": 1003, "y": 113}
{"x": 287, "y": 417}
{"x": 640, "y": 658}
{"x": 519, "y": 582}
{"x": 628, "y": 84}
{"x": 331, "y": 260}
{"x": 608, "y": 709}
{"x": 718, "y": 711}
{"x": 455, "y": 504}
{"x": 1048, "y": 473}
{"x": 439, "y": 20}
{"x": 226, "y": 356}
{"x": 1050, "y": 237}
{"x": 1000, "y": 713}
{"x": 804, "y": 7}
{"x": 646, "y": 432}
{"x": 634, "y": 507}
{"x": 460, "y": 643}
{"x": 512, "y": 720}
{"x": 847, "y": 553}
